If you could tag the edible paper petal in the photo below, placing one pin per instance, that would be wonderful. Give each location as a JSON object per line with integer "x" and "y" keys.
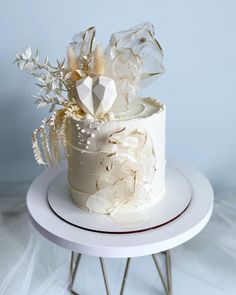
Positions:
{"x": 134, "y": 59}
{"x": 82, "y": 43}
{"x": 127, "y": 172}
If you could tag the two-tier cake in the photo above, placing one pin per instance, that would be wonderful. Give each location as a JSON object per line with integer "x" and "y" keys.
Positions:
{"x": 113, "y": 139}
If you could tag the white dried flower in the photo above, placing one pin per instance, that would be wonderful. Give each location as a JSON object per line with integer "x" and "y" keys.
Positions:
{"x": 51, "y": 80}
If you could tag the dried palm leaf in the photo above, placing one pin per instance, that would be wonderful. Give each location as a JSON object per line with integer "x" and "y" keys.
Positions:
{"x": 45, "y": 144}
{"x": 36, "y": 149}
{"x": 53, "y": 141}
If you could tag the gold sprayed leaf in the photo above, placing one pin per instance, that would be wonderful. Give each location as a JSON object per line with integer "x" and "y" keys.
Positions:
{"x": 36, "y": 149}
{"x": 45, "y": 145}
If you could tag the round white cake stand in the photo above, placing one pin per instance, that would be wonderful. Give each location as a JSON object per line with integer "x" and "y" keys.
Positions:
{"x": 169, "y": 206}
{"x": 158, "y": 240}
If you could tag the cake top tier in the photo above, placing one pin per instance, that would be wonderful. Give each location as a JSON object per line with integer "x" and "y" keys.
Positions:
{"x": 94, "y": 81}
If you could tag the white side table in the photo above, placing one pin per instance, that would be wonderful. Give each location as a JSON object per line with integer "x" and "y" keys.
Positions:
{"x": 159, "y": 240}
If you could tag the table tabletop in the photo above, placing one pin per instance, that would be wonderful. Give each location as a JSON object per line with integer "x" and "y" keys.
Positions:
{"x": 168, "y": 236}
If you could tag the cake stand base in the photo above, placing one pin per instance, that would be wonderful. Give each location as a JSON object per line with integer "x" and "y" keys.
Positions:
{"x": 166, "y": 278}
{"x": 160, "y": 240}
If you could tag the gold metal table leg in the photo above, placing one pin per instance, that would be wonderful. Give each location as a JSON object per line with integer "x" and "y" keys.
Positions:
{"x": 168, "y": 272}
{"x": 74, "y": 264}
{"x": 104, "y": 275}
{"x": 167, "y": 284}
{"x": 125, "y": 276}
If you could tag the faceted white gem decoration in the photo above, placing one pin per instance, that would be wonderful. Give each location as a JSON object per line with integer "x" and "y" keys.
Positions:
{"x": 104, "y": 95}
{"x": 96, "y": 95}
{"x": 85, "y": 97}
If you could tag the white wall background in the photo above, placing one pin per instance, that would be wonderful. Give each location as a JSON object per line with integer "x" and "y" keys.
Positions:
{"x": 199, "y": 86}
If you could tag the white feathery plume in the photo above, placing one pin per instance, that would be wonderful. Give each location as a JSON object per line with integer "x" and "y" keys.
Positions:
{"x": 72, "y": 61}
{"x": 99, "y": 61}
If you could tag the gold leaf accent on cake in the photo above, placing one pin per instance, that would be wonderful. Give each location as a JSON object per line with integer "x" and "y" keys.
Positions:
{"x": 108, "y": 156}
{"x": 111, "y": 136}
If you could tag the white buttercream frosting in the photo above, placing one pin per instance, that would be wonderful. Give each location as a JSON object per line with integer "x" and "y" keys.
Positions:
{"x": 117, "y": 164}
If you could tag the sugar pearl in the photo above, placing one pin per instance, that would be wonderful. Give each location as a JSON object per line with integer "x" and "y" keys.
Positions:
{"x": 88, "y": 117}
{"x": 110, "y": 116}
{"x": 82, "y": 131}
